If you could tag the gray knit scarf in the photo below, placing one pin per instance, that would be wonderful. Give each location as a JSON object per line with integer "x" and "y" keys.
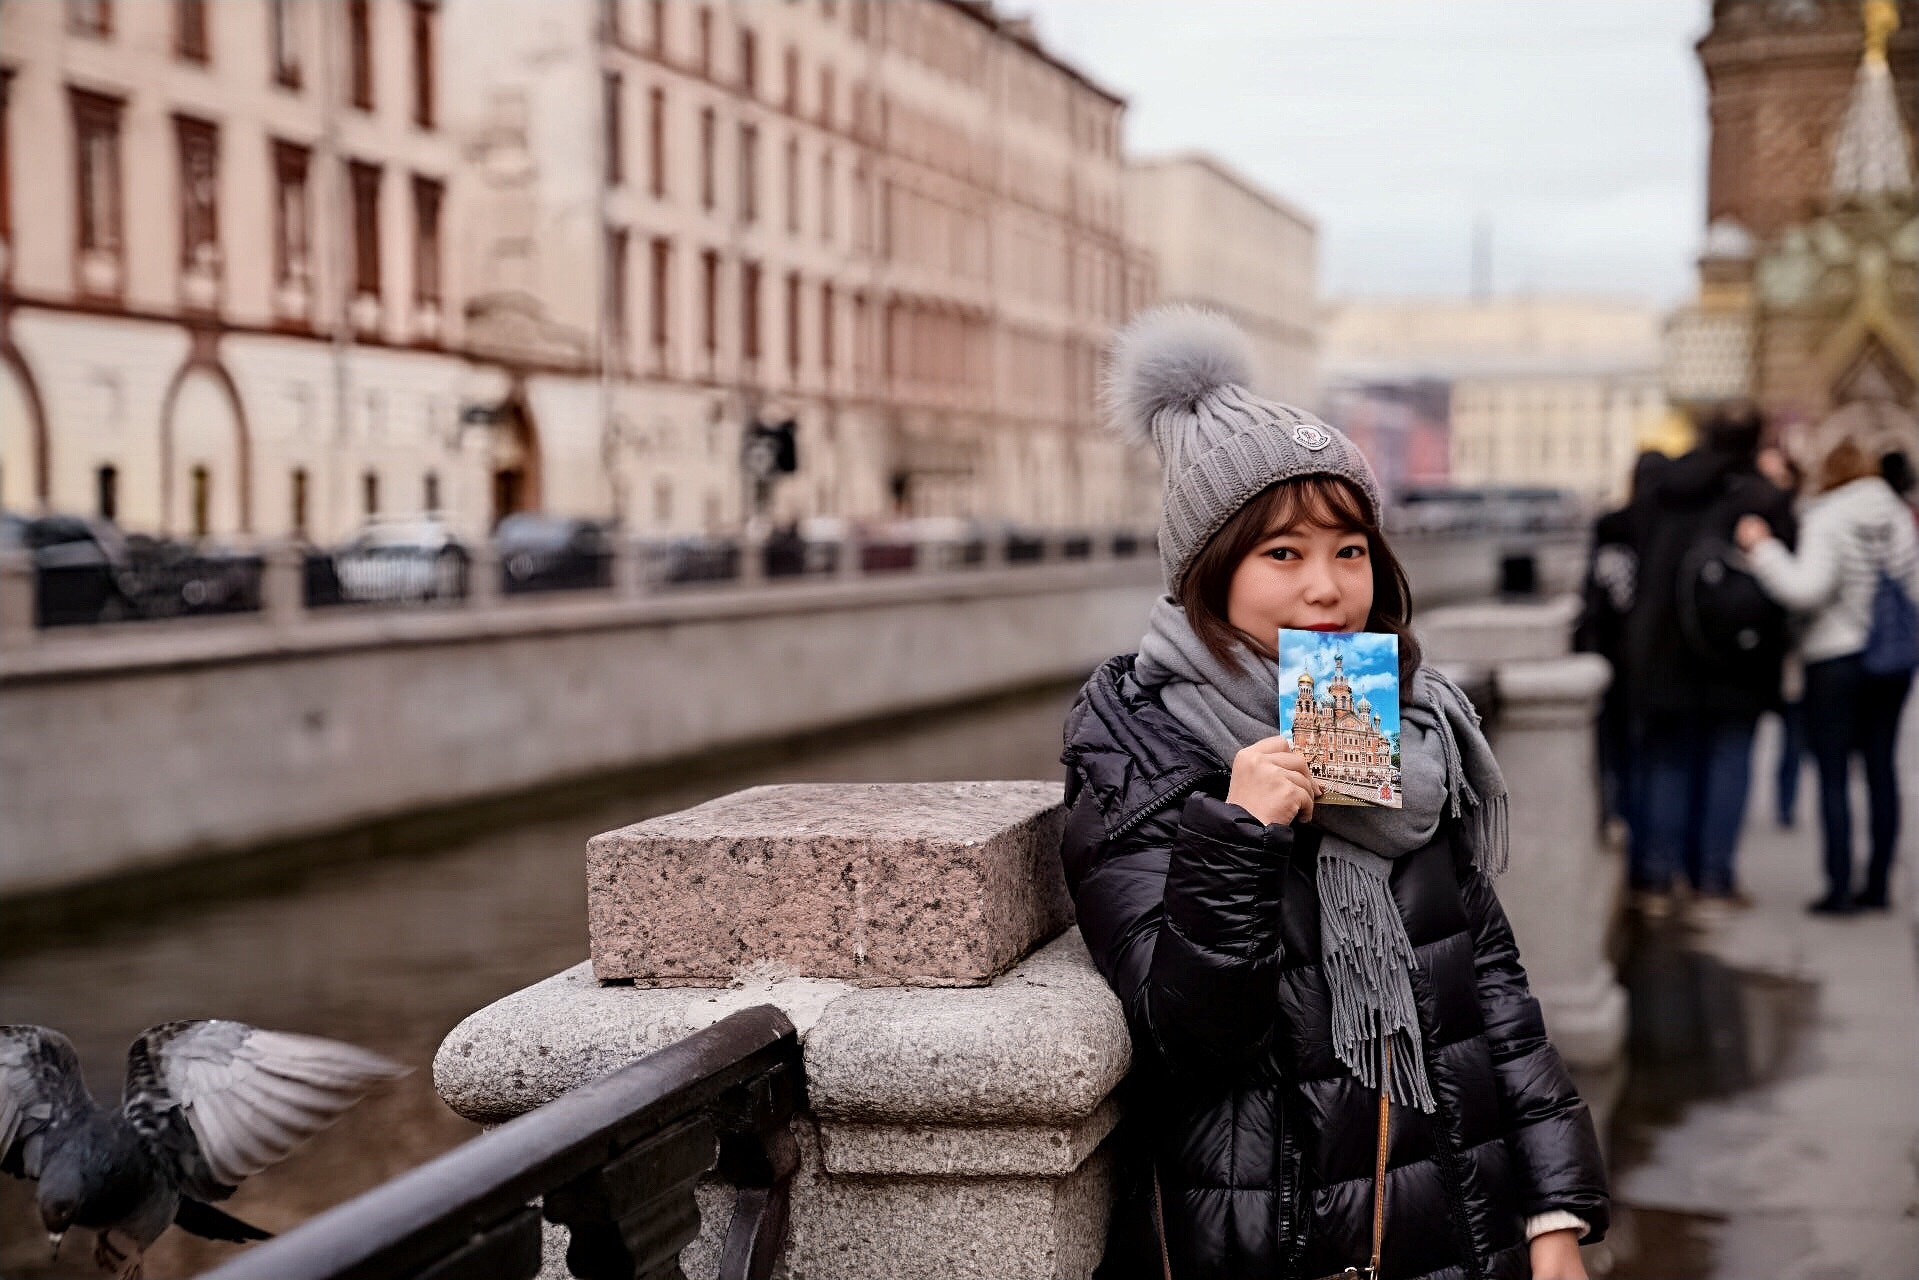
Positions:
{"x": 1449, "y": 771}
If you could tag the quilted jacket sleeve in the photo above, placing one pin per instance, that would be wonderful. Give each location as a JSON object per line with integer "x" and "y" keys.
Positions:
{"x": 1181, "y": 915}
{"x": 1552, "y": 1134}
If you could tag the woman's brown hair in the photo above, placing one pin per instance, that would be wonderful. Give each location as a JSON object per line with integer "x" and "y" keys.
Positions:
{"x": 1845, "y": 463}
{"x": 1322, "y": 502}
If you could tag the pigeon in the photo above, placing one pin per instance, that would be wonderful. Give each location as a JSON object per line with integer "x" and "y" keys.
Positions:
{"x": 207, "y": 1103}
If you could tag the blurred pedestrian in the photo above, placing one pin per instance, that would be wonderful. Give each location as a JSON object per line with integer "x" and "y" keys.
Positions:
{"x": 1856, "y": 575}
{"x": 1612, "y": 582}
{"x": 1322, "y": 999}
{"x": 1704, "y": 650}
{"x": 1777, "y": 466}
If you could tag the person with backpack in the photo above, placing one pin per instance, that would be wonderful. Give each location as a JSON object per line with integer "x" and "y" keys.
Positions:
{"x": 1856, "y": 576}
{"x": 1704, "y": 649}
{"x": 1339, "y": 1067}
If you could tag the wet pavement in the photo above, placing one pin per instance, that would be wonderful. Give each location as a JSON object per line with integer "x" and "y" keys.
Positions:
{"x": 1770, "y": 1128}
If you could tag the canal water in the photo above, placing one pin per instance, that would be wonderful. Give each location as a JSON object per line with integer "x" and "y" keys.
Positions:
{"x": 391, "y": 952}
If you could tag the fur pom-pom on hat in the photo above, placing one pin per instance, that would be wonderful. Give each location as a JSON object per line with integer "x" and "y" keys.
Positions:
{"x": 1178, "y": 380}
{"x": 1170, "y": 357}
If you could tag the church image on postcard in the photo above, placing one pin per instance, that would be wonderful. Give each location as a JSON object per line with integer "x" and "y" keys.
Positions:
{"x": 1339, "y": 705}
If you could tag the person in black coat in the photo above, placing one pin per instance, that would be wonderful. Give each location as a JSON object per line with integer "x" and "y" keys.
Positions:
{"x": 1612, "y": 582}
{"x": 1704, "y": 654}
{"x": 1295, "y": 974}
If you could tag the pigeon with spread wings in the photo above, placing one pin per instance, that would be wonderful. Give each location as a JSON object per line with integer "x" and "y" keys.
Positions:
{"x": 207, "y": 1104}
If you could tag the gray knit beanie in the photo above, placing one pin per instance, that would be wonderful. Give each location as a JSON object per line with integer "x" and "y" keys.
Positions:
{"x": 1178, "y": 380}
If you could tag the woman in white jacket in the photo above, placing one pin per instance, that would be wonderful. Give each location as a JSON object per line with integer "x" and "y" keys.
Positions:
{"x": 1854, "y": 529}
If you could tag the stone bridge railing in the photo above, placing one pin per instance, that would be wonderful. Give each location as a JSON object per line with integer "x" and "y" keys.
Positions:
{"x": 961, "y": 1054}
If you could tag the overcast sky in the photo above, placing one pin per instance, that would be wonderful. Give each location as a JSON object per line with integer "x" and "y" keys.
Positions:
{"x": 1578, "y": 128}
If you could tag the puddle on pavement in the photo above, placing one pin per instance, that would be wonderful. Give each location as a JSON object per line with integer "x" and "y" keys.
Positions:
{"x": 1700, "y": 1030}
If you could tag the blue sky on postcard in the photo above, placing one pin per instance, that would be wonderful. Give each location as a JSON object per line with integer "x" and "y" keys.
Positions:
{"x": 1371, "y": 662}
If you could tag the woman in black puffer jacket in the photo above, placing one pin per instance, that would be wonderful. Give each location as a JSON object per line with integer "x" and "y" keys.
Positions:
{"x": 1284, "y": 969}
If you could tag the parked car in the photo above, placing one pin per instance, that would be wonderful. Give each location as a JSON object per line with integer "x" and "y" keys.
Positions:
{"x": 691, "y": 558}
{"x": 402, "y": 560}
{"x": 80, "y": 564}
{"x": 553, "y": 553}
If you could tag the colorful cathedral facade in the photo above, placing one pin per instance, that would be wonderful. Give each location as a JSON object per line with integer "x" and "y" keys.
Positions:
{"x": 1342, "y": 738}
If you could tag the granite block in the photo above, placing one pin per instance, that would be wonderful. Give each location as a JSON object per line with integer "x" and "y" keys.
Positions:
{"x": 1045, "y": 1044}
{"x": 926, "y": 884}
{"x": 526, "y": 1049}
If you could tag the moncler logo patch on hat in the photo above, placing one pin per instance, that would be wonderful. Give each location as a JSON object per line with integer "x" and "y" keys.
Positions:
{"x": 1308, "y": 436}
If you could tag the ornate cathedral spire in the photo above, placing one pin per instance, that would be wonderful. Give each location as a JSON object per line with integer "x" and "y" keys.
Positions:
{"x": 1873, "y": 156}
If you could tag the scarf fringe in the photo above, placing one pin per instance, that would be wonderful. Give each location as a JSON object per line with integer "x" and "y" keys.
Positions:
{"x": 1369, "y": 964}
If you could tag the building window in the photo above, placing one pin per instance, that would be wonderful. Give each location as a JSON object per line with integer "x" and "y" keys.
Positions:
{"x": 828, "y": 315}
{"x": 425, "y": 56}
{"x": 749, "y": 173}
{"x": 750, "y": 311}
{"x": 862, "y": 339}
{"x": 190, "y": 42}
{"x": 370, "y": 493}
{"x": 826, "y": 97}
{"x": 612, "y": 135}
{"x": 662, "y": 501}
{"x": 430, "y": 491}
{"x": 862, "y": 208}
{"x": 610, "y": 21}
{"x": 364, "y": 180}
{"x": 96, "y": 128}
{"x": 706, "y": 41}
{"x": 90, "y": 17}
{"x": 658, "y": 293}
{"x": 656, "y": 25}
{"x": 106, "y": 489}
{"x": 826, "y": 197}
{"x": 199, "y": 148}
{"x": 284, "y": 42}
{"x": 790, "y": 94}
{"x": 299, "y": 496}
{"x": 616, "y": 325}
{"x": 202, "y": 500}
{"x": 427, "y": 198}
{"x": 359, "y": 25}
{"x": 709, "y": 141}
{"x": 749, "y": 62}
{"x": 656, "y": 141}
{"x": 793, "y": 324}
{"x": 793, "y": 185}
{"x": 292, "y": 231}
{"x": 710, "y": 302}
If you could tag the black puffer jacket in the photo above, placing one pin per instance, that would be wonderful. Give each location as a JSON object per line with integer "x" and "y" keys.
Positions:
{"x": 1206, "y": 923}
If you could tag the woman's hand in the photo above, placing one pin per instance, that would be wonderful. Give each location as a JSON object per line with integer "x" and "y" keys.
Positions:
{"x": 1555, "y": 1256}
{"x": 1273, "y": 782}
{"x": 1750, "y": 532}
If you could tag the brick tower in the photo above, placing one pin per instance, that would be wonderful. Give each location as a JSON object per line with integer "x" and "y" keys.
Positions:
{"x": 1779, "y": 74}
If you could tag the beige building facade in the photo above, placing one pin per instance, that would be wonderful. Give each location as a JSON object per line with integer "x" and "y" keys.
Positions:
{"x": 1552, "y": 392}
{"x": 226, "y": 301}
{"x": 296, "y": 263}
{"x": 1219, "y": 240}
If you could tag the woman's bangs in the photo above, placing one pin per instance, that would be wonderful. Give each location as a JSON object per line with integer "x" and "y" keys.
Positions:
{"x": 1314, "y": 502}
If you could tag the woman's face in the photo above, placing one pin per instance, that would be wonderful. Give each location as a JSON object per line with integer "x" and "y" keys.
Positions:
{"x": 1309, "y": 578}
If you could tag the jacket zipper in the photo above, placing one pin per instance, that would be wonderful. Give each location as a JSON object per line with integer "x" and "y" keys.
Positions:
{"x": 1152, "y": 806}
{"x": 1293, "y": 1234}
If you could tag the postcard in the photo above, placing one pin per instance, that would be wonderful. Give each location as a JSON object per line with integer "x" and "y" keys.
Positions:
{"x": 1339, "y": 705}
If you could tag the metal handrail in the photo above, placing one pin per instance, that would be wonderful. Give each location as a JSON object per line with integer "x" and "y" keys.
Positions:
{"x": 616, "y": 1161}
